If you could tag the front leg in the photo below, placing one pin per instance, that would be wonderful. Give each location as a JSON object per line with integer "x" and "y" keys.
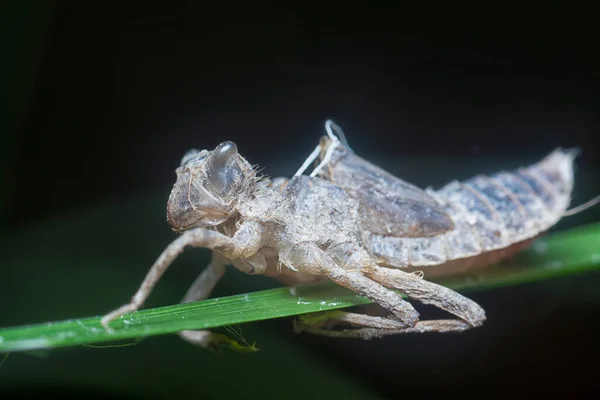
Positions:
{"x": 200, "y": 290}
{"x": 246, "y": 242}
{"x": 207, "y": 280}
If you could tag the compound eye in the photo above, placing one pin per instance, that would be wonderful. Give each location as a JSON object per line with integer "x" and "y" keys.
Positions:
{"x": 189, "y": 156}
{"x": 193, "y": 155}
{"x": 218, "y": 172}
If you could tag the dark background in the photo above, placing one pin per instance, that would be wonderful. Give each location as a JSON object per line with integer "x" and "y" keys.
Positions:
{"x": 108, "y": 96}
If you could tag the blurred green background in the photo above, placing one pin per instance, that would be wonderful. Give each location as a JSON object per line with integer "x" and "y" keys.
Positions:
{"x": 101, "y": 102}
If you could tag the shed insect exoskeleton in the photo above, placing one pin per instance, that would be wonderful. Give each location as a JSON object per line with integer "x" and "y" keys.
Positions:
{"x": 455, "y": 229}
{"x": 356, "y": 225}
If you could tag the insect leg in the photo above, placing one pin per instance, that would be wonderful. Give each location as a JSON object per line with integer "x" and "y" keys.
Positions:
{"x": 428, "y": 293}
{"x": 200, "y": 290}
{"x": 373, "y": 327}
{"x": 307, "y": 257}
{"x": 245, "y": 242}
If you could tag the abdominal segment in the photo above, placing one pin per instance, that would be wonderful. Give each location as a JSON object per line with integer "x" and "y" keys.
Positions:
{"x": 494, "y": 216}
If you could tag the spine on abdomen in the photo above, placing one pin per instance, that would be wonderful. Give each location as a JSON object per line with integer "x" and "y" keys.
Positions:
{"x": 489, "y": 213}
{"x": 496, "y": 211}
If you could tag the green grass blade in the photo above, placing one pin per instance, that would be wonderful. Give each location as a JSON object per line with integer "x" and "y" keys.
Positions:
{"x": 561, "y": 254}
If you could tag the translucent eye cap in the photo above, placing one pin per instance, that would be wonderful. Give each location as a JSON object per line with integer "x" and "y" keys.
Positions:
{"x": 223, "y": 153}
{"x": 218, "y": 164}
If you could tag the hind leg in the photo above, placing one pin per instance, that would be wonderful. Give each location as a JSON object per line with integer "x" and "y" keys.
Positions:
{"x": 367, "y": 326}
{"x": 307, "y": 257}
{"x": 374, "y": 282}
{"x": 428, "y": 293}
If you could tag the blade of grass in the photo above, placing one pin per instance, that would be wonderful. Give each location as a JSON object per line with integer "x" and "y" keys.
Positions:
{"x": 561, "y": 254}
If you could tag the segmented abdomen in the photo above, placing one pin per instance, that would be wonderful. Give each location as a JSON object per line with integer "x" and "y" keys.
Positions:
{"x": 491, "y": 214}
